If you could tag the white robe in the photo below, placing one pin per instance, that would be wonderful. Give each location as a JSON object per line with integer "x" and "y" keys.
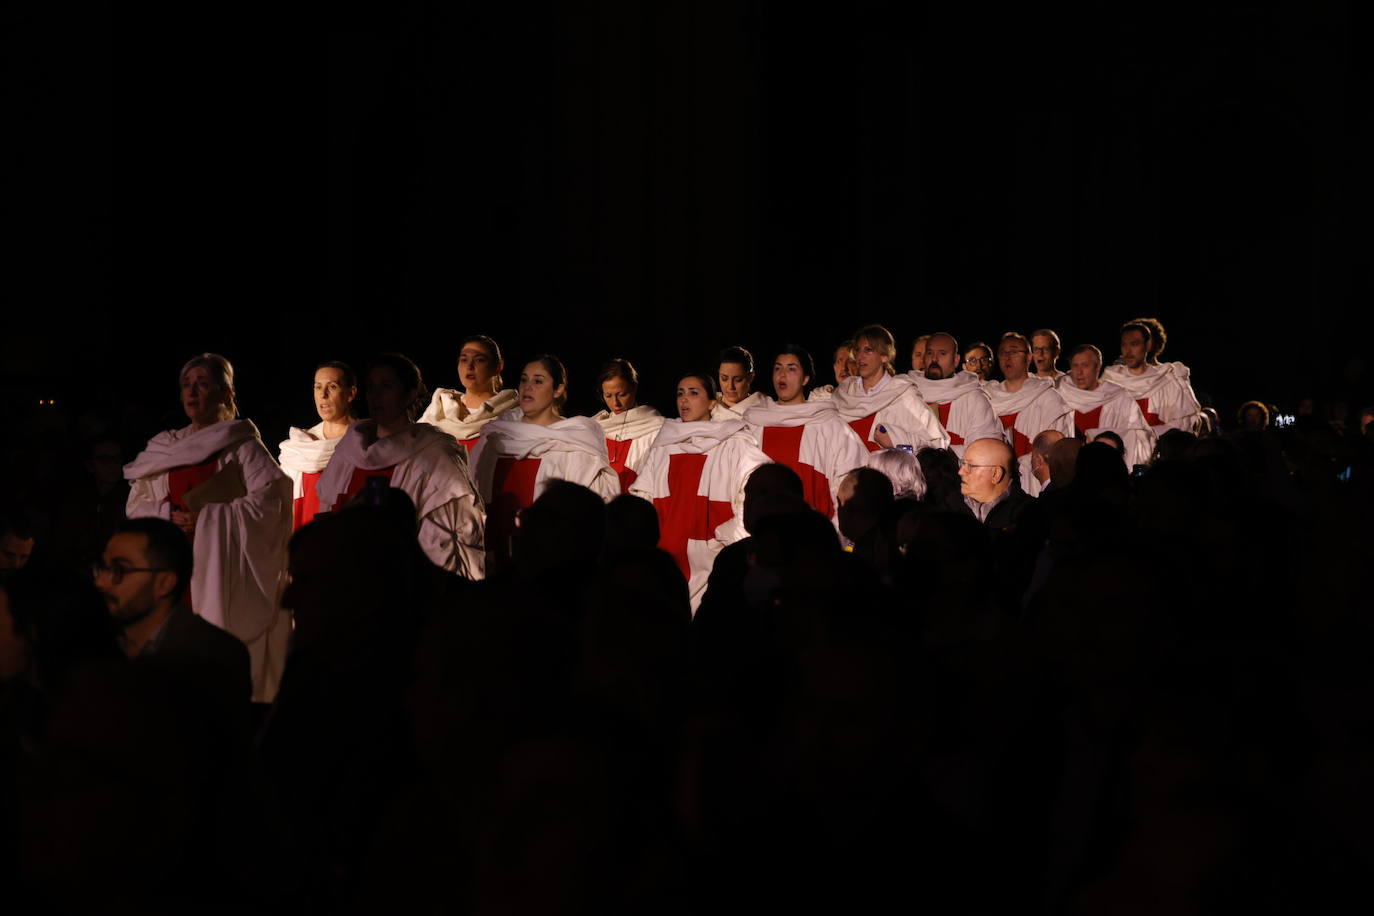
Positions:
{"x": 894, "y": 405}
{"x": 721, "y": 413}
{"x": 638, "y": 426}
{"x": 431, "y": 468}
{"x": 304, "y": 451}
{"x": 963, "y": 406}
{"x": 1025, "y": 414}
{"x": 446, "y": 406}
{"x": 572, "y": 449}
{"x": 827, "y": 448}
{"x": 1164, "y": 394}
{"x": 1119, "y": 413}
{"x": 731, "y": 455}
{"x": 239, "y": 547}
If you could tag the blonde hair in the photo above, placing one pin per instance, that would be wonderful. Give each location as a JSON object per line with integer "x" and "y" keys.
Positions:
{"x": 222, "y": 373}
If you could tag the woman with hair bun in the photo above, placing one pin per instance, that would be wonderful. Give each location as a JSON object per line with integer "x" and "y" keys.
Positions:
{"x": 216, "y": 481}
{"x": 305, "y": 453}
{"x": 694, "y": 475}
{"x": 734, "y": 384}
{"x": 522, "y": 450}
{"x": 427, "y": 464}
{"x": 462, "y": 414}
{"x": 628, "y": 426}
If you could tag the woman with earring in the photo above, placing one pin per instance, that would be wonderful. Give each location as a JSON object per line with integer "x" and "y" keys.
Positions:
{"x": 306, "y": 452}
{"x": 426, "y": 463}
{"x": 521, "y": 450}
{"x": 462, "y": 414}
{"x": 215, "y": 480}
{"x": 628, "y": 426}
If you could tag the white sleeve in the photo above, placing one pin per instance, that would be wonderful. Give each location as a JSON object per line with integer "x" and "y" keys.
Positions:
{"x": 452, "y": 536}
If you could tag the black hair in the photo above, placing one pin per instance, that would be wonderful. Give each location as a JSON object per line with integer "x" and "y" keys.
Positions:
{"x": 808, "y": 365}
{"x": 167, "y": 547}
{"x": 736, "y": 355}
{"x": 408, "y": 374}
{"x": 557, "y": 373}
{"x": 708, "y": 381}
{"x": 618, "y": 368}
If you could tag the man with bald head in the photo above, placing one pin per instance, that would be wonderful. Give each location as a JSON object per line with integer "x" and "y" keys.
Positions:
{"x": 1099, "y": 405}
{"x": 958, "y": 397}
{"x": 1016, "y": 525}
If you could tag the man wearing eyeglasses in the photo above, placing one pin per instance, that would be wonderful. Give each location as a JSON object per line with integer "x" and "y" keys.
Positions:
{"x": 1016, "y": 525}
{"x": 144, "y": 570}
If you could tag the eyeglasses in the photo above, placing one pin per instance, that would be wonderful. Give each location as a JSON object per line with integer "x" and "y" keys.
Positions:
{"x": 117, "y": 571}
{"x": 964, "y": 463}
{"x": 978, "y": 359}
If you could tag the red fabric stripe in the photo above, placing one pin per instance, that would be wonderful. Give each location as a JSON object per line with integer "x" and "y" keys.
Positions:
{"x": 954, "y": 438}
{"x": 512, "y": 489}
{"x": 863, "y": 427}
{"x": 1019, "y": 442}
{"x": 618, "y": 453}
{"x": 359, "y": 480}
{"x": 1087, "y": 419}
{"x": 783, "y": 445}
{"x": 304, "y": 509}
{"x": 1151, "y": 418}
{"x": 469, "y": 443}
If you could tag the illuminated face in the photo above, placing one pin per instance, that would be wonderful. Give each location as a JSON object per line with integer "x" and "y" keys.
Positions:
{"x": 538, "y": 394}
{"x": 617, "y": 394}
{"x": 1044, "y": 352}
{"x": 789, "y": 380}
{"x": 1134, "y": 349}
{"x": 1084, "y": 368}
{"x": 980, "y": 473}
{"x": 387, "y": 399}
{"x": 942, "y": 357}
{"x": 734, "y": 383}
{"x": 476, "y": 368}
{"x": 14, "y": 552}
{"x": 1013, "y": 359}
{"x": 845, "y": 364}
{"x": 979, "y": 361}
{"x": 134, "y": 596}
{"x": 332, "y": 396}
{"x": 694, "y": 400}
{"x": 918, "y": 353}
{"x": 871, "y": 363}
{"x": 201, "y": 396}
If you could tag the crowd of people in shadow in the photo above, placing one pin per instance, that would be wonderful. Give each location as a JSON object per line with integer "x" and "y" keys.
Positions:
{"x": 1135, "y": 693}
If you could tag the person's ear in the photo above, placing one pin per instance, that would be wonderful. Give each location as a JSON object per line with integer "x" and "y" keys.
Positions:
{"x": 166, "y": 584}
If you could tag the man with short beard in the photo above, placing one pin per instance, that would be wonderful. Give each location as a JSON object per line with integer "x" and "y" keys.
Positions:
{"x": 1165, "y": 398}
{"x": 1025, "y": 406}
{"x": 142, "y": 574}
{"x": 964, "y": 409}
{"x": 1099, "y": 405}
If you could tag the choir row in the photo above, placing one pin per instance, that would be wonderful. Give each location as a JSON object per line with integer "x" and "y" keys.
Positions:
{"x": 471, "y": 459}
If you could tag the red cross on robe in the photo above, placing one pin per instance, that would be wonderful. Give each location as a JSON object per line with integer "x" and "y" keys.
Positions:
{"x": 469, "y": 443}
{"x": 512, "y": 489}
{"x": 863, "y": 427}
{"x": 684, "y": 515}
{"x": 1085, "y": 420}
{"x": 954, "y": 438}
{"x": 618, "y": 453}
{"x": 783, "y": 445}
{"x": 1152, "y": 419}
{"x": 307, "y": 506}
{"x": 1019, "y": 442}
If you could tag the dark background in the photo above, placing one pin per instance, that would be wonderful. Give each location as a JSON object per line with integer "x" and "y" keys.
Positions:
{"x": 657, "y": 181}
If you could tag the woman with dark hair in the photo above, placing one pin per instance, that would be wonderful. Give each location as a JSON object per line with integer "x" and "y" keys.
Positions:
{"x": 810, "y": 437}
{"x": 694, "y": 475}
{"x": 305, "y": 453}
{"x": 522, "y": 450}
{"x": 734, "y": 384}
{"x": 628, "y": 426}
{"x": 215, "y": 480}
{"x": 462, "y": 414}
{"x": 424, "y": 462}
